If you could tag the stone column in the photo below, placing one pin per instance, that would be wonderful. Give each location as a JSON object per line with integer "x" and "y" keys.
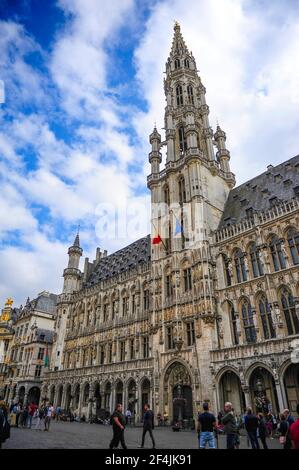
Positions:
{"x": 80, "y": 399}
{"x": 90, "y": 403}
{"x": 279, "y": 395}
{"x": 138, "y": 403}
{"x": 245, "y": 389}
{"x": 112, "y": 398}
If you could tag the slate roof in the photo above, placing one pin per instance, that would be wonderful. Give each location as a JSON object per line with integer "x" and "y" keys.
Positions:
{"x": 279, "y": 183}
{"x": 122, "y": 260}
{"x": 45, "y": 336}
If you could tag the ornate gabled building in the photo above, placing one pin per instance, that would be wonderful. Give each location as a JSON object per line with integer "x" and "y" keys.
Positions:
{"x": 29, "y": 349}
{"x": 203, "y": 309}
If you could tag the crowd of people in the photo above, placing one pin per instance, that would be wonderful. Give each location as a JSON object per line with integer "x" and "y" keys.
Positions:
{"x": 258, "y": 426}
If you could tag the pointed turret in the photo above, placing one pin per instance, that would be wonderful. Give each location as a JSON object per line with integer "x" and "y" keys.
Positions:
{"x": 155, "y": 156}
{"x": 223, "y": 155}
{"x": 72, "y": 273}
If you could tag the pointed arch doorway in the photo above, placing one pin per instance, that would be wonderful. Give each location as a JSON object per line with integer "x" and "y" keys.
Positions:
{"x": 178, "y": 396}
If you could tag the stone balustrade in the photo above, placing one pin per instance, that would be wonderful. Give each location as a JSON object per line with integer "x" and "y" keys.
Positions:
{"x": 242, "y": 351}
{"x": 97, "y": 370}
{"x": 249, "y": 223}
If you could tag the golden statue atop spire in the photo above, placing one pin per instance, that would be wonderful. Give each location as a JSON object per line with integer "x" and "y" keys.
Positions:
{"x": 176, "y": 25}
{"x": 5, "y": 315}
{"x": 9, "y": 302}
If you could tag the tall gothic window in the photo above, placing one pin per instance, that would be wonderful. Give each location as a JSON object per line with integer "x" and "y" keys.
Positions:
{"x": 169, "y": 338}
{"x": 187, "y": 63}
{"x": 168, "y": 286}
{"x": 240, "y": 266}
{"x": 125, "y": 306}
{"x": 257, "y": 267}
{"x": 146, "y": 299}
{"x": 233, "y": 318}
{"x": 266, "y": 318}
{"x": 190, "y": 333}
{"x": 182, "y": 139}
{"x": 177, "y": 63}
{"x": 182, "y": 190}
{"x": 187, "y": 279}
{"x": 248, "y": 322}
{"x": 293, "y": 241}
{"x": 179, "y": 95}
{"x": 278, "y": 257}
{"x": 166, "y": 195}
{"x": 190, "y": 94}
{"x": 288, "y": 306}
{"x": 145, "y": 346}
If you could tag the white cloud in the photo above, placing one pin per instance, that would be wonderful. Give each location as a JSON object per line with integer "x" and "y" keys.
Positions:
{"x": 230, "y": 43}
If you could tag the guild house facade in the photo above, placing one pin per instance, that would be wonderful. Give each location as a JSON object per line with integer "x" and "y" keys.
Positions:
{"x": 206, "y": 307}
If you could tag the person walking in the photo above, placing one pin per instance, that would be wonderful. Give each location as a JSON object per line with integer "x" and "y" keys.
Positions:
{"x": 251, "y": 426}
{"x": 40, "y": 417}
{"x": 289, "y": 417}
{"x": 206, "y": 428}
{"x": 31, "y": 412}
{"x": 284, "y": 428}
{"x": 294, "y": 432}
{"x": 48, "y": 416}
{"x": 148, "y": 425}
{"x": 4, "y": 424}
{"x": 230, "y": 426}
{"x": 118, "y": 422}
{"x": 25, "y": 417}
{"x": 262, "y": 430}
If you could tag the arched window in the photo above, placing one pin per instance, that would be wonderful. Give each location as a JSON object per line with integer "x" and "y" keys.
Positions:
{"x": 293, "y": 241}
{"x": 257, "y": 267}
{"x": 182, "y": 139}
{"x": 182, "y": 190}
{"x": 179, "y": 95}
{"x": 288, "y": 306}
{"x": 233, "y": 318}
{"x": 278, "y": 257}
{"x": 146, "y": 298}
{"x": 177, "y": 64}
{"x": 187, "y": 63}
{"x": 266, "y": 318}
{"x": 190, "y": 94}
{"x": 166, "y": 195}
{"x": 248, "y": 322}
{"x": 240, "y": 266}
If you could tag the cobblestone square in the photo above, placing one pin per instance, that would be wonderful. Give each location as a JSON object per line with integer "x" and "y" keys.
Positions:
{"x": 66, "y": 435}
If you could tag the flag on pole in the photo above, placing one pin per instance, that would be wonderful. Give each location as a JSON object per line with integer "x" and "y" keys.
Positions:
{"x": 46, "y": 364}
{"x": 156, "y": 240}
{"x": 178, "y": 227}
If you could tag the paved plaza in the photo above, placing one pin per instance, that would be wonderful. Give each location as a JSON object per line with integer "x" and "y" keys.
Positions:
{"x": 66, "y": 435}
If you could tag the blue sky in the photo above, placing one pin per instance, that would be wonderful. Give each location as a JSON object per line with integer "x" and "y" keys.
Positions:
{"x": 83, "y": 87}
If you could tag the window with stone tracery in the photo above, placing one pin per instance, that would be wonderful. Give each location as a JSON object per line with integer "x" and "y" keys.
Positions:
{"x": 293, "y": 241}
{"x": 190, "y": 94}
{"x": 248, "y": 322}
{"x": 182, "y": 139}
{"x": 179, "y": 95}
{"x": 177, "y": 64}
{"x": 233, "y": 318}
{"x": 257, "y": 267}
{"x": 277, "y": 253}
{"x": 266, "y": 318}
{"x": 289, "y": 310}
{"x": 240, "y": 267}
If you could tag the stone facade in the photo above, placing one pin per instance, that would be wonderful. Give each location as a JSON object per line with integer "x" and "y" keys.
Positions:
{"x": 203, "y": 309}
{"x": 30, "y": 349}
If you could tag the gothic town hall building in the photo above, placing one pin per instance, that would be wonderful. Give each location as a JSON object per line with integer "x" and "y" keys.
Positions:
{"x": 206, "y": 307}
